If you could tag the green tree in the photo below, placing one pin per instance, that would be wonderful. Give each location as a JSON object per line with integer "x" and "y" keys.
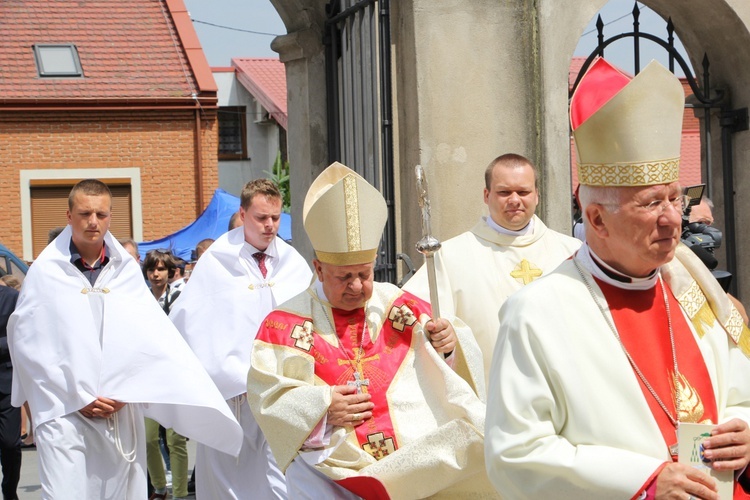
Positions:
{"x": 279, "y": 175}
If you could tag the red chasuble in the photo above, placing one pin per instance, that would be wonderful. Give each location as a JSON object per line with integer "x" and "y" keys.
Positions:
{"x": 641, "y": 320}
{"x": 373, "y": 369}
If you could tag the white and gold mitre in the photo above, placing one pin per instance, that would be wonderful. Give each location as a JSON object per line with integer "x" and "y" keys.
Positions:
{"x": 627, "y": 130}
{"x": 344, "y": 217}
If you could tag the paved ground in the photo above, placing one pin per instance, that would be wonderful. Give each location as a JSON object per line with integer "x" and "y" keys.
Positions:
{"x": 30, "y": 489}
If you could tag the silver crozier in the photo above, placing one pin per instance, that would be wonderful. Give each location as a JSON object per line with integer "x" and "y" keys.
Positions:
{"x": 428, "y": 245}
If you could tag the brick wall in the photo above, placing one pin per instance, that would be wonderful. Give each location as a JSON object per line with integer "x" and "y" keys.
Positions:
{"x": 160, "y": 143}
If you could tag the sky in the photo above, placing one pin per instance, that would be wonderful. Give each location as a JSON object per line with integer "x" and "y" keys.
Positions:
{"x": 617, "y": 17}
{"x": 221, "y": 44}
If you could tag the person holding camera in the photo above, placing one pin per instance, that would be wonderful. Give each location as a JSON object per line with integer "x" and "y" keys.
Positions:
{"x": 700, "y": 220}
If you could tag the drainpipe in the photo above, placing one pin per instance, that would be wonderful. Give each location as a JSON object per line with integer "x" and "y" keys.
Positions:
{"x": 198, "y": 162}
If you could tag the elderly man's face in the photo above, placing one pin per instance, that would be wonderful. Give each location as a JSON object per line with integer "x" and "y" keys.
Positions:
{"x": 640, "y": 240}
{"x": 346, "y": 287}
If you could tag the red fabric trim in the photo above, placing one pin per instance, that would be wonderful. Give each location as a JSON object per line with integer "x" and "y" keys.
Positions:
{"x": 641, "y": 314}
{"x": 650, "y": 485}
{"x": 367, "y": 487}
{"x": 742, "y": 486}
{"x": 333, "y": 366}
{"x": 601, "y": 82}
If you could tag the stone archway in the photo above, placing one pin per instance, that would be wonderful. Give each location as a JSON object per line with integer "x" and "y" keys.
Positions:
{"x": 476, "y": 79}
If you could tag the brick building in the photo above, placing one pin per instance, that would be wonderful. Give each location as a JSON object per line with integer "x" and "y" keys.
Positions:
{"x": 98, "y": 88}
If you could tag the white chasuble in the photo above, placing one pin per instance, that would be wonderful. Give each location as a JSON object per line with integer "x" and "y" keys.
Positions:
{"x": 478, "y": 270}
{"x": 566, "y": 415}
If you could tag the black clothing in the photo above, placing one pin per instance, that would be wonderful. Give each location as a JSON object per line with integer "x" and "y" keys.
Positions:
{"x": 10, "y": 417}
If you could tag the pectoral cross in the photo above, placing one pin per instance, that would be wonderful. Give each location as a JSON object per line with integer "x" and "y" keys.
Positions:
{"x": 359, "y": 382}
{"x": 359, "y": 373}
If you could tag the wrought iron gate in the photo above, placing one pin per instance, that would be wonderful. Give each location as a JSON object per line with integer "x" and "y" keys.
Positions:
{"x": 731, "y": 121}
{"x": 358, "y": 90}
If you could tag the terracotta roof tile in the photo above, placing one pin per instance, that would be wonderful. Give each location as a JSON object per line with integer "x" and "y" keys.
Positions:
{"x": 127, "y": 50}
{"x": 265, "y": 79}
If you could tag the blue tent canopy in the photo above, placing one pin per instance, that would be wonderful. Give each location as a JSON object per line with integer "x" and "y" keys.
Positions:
{"x": 212, "y": 223}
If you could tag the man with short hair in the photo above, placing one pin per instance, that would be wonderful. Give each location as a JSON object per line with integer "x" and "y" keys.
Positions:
{"x": 600, "y": 366}
{"x": 479, "y": 269}
{"x": 177, "y": 281}
{"x": 202, "y": 246}
{"x": 242, "y": 276}
{"x": 235, "y": 221}
{"x": 131, "y": 247}
{"x": 93, "y": 353}
{"x": 349, "y": 380}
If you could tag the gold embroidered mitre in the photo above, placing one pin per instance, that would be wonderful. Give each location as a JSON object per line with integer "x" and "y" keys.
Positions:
{"x": 627, "y": 131}
{"x": 344, "y": 217}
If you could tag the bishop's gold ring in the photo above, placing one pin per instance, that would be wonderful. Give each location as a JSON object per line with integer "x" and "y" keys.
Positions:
{"x": 356, "y": 416}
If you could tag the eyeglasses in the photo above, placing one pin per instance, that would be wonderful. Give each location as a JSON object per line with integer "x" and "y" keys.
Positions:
{"x": 658, "y": 207}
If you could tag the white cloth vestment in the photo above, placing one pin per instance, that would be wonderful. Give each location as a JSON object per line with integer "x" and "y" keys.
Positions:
{"x": 566, "y": 415}
{"x": 72, "y": 342}
{"x": 478, "y": 270}
{"x": 218, "y": 313}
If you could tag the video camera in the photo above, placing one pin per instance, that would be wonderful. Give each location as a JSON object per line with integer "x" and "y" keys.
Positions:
{"x": 701, "y": 238}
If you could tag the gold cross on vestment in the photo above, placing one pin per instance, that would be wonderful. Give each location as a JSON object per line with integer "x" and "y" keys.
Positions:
{"x": 378, "y": 445}
{"x": 302, "y": 334}
{"x": 359, "y": 372}
{"x": 526, "y": 272}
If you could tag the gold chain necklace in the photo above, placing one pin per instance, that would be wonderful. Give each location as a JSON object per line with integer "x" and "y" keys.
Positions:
{"x": 673, "y": 419}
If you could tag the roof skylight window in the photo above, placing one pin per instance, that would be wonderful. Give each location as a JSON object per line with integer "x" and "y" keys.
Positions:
{"x": 57, "y": 60}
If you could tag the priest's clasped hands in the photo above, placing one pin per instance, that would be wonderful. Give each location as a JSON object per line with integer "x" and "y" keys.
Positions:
{"x": 728, "y": 448}
{"x": 101, "y": 407}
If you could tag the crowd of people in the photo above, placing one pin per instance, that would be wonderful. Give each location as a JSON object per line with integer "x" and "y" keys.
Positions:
{"x": 613, "y": 367}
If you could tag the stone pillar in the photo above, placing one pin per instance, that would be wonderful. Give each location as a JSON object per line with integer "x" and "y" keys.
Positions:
{"x": 303, "y": 55}
{"x": 467, "y": 87}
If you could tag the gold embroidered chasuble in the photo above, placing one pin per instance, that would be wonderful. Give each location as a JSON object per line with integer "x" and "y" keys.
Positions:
{"x": 427, "y": 419}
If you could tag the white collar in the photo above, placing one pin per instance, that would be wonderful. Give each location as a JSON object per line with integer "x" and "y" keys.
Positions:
{"x": 529, "y": 228}
{"x": 606, "y": 273}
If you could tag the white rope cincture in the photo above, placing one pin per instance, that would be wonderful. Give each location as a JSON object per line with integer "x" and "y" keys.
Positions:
{"x": 237, "y": 402}
{"x": 114, "y": 426}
